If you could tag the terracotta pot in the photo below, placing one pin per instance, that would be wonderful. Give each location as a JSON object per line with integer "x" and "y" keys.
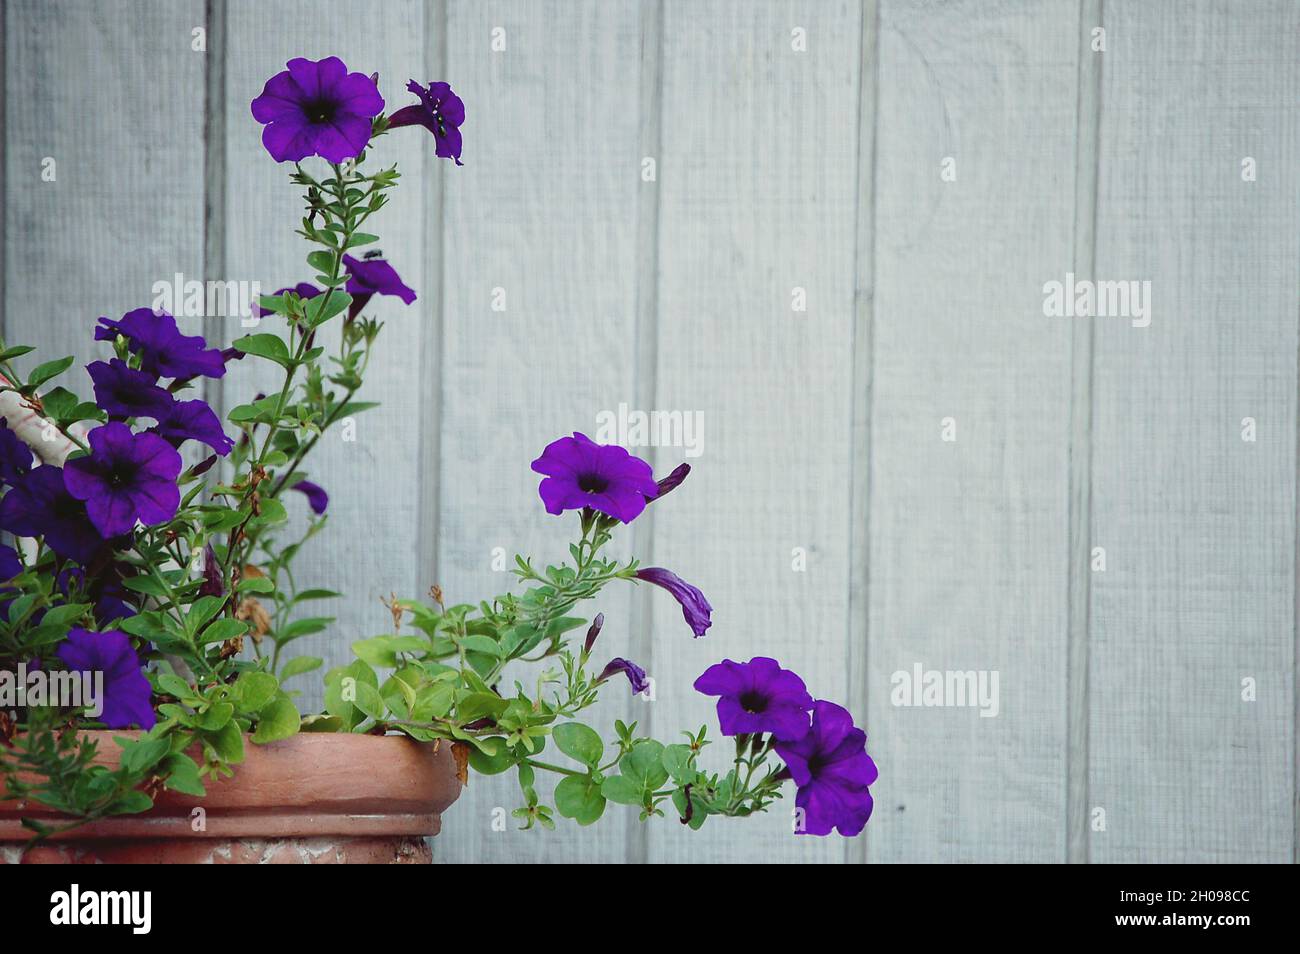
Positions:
{"x": 315, "y": 798}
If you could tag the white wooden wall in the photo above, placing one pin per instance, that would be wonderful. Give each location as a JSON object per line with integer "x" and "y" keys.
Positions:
{"x": 1120, "y": 691}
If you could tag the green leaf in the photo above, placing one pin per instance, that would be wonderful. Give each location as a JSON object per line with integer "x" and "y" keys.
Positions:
{"x": 299, "y": 665}
{"x": 621, "y": 789}
{"x": 477, "y": 705}
{"x": 183, "y": 775}
{"x": 279, "y": 720}
{"x": 217, "y": 715}
{"x": 319, "y": 310}
{"x": 255, "y": 584}
{"x": 253, "y": 691}
{"x": 370, "y": 701}
{"x": 141, "y": 754}
{"x": 50, "y": 369}
{"x": 302, "y": 627}
{"x": 579, "y": 797}
{"x": 266, "y": 346}
{"x": 221, "y": 630}
{"x": 228, "y": 742}
{"x": 645, "y": 763}
{"x": 580, "y": 743}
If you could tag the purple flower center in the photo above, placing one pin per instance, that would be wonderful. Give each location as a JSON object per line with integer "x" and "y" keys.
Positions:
{"x": 320, "y": 111}
{"x": 122, "y": 473}
{"x": 592, "y": 483}
{"x": 753, "y": 702}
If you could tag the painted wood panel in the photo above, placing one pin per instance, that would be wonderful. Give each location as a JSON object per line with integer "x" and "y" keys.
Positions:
{"x": 369, "y": 548}
{"x": 1198, "y": 524}
{"x": 969, "y": 534}
{"x": 541, "y": 222}
{"x": 758, "y": 181}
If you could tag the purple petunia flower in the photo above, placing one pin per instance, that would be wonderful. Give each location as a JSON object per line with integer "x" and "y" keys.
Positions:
{"x": 305, "y": 290}
{"x": 440, "y": 111}
{"x": 593, "y": 631}
{"x": 193, "y": 421}
{"x": 670, "y": 483}
{"x": 10, "y": 566}
{"x": 758, "y": 696}
{"x": 214, "y": 583}
{"x": 317, "y": 108}
{"x": 39, "y": 505}
{"x": 832, "y": 769}
{"x": 127, "y": 477}
{"x": 581, "y": 473}
{"x": 126, "y": 392}
{"x": 126, "y": 690}
{"x": 15, "y": 456}
{"x": 369, "y": 277}
{"x": 695, "y": 608}
{"x": 163, "y": 350}
{"x": 317, "y": 499}
{"x": 635, "y": 674}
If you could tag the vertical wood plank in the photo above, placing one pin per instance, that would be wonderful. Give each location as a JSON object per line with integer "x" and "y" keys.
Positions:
{"x": 969, "y": 537}
{"x": 544, "y": 210}
{"x": 371, "y": 546}
{"x": 1198, "y": 525}
{"x": 112, "y": 94}
{"x": 758, "y": 182}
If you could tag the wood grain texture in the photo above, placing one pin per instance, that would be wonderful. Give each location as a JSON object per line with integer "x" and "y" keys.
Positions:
{"x": 758, "y": 182}
{"x": 112, "y": 94}
{"x": 371, "y": 544}
{"x": 968, "y": 548}
{"x": 1198, "y": 525}
{"x": 544, "y": 209}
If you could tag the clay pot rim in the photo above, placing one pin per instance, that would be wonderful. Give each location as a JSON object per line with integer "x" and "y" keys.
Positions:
{"x": 308, "y": 785}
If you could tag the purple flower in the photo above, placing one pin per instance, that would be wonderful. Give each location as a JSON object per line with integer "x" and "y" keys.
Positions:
{"x": 15, "y": 456}
{"x": 635, "y": 674}
{"x": 593, "y": 631}
{"x": 126, "y": 392}
{"x": 305, "y": 290}
{"x": 670, "y": 483}
{"x": 317, "y": 499}
{"x": 440, "y": 111}
{"x": 214, "y": 583}
{"x": 372, "y": 276}
{"x": 758, "y": 696}
{"x": 581, "y": 473}
{"x": 126, "y": 690}
{"x": 317, "y": 109}
{"x": 39, "y": 505}
{"x": 695, "y": 608}
{"x": 832, "y": 769}
{"x": 10, "y": 566}
{"x": 163, "y": 350}
{"x": 193, "y": 421}
{"x": 127, "y": 477}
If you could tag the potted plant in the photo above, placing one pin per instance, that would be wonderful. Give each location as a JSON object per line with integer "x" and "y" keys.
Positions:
{"x": 148, "y": 605}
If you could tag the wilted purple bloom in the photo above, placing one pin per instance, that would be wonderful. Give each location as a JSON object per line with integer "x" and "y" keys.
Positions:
{"x": 193, "y": 421}
{"x": 126, "y": 392}
{"x": 317, "y": 108}
{"x": 305, "y": 290}
{"x": 832, "y": 769}
{"x": 593, "y": 631}
{"x": 39, "y": 505}
{"x": 203, "y": 466}
{"x": 671, "y": 482}
{"x": 126, "y": 690}
{"x": 10, "y": 566}
{"x": 104, "y": 588}
{"x": 214, "y": 583}
{"x": 15, "y": 456}
{"x": 372, "y": 276}
{"x": 581, "y": 473}
{"x": 163, "y": 350}
{"x": 635, "y": 674}
{"x": 757, "y": 696}
{"x": 440, "y": 111}
{"x": 695, "y": 608}
{"x": 127, "y": 477}
{"x": 317, "y": 499}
